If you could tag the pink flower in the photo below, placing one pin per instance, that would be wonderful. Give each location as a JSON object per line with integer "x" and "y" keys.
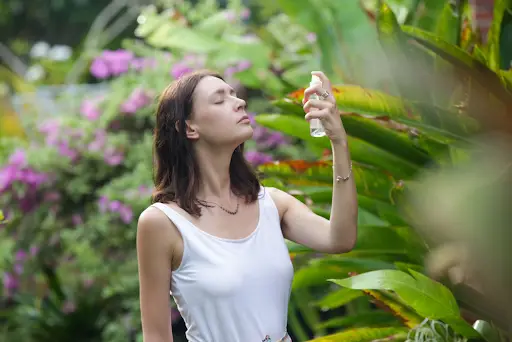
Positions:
{"x": 311, "y": 37}
{"x": 230, "y": 15}
{"x": 66, "y": 151}
{"x": 99, "y": 69}
{"x": 18, "y": 158}
{"x": 243, "y": 65}
{"x": 10, "y": 282}
{"x": 257, "y": 158}
{"x": 100, "y": 137}
{"x": 7, "y": 176}
{"x": 126, "y": 214}
{"x": 137, "y": 100}
{"x": 115, "y": 206}
{"x": 180, "y": 69}
{"x": 77, "y": 219}
{"x": 113, "y": 157}
{"x": 90, "y": 110}
{"x": 103, "y": 203}
{"x": 245, "y": 14}
{"x": 118, "y": 61}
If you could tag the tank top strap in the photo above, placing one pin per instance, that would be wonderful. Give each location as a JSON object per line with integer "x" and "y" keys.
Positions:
{"x": 269, "y": 206}
{"x": 179, "y": 221}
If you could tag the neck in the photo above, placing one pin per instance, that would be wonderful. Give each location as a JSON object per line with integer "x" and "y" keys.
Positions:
{"x": 215, "y": 183}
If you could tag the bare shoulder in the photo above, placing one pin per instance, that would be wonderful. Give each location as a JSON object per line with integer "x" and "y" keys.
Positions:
{"x": 154, "y": 226}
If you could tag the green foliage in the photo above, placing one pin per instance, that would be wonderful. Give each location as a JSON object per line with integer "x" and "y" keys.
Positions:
{"x": 395, "y": 133}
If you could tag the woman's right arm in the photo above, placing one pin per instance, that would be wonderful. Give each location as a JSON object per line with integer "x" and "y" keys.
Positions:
{"x": 154, "y": 254}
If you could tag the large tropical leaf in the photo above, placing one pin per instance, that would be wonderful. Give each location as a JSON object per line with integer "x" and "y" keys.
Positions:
{"x": 366, "y": 319}
{"x": 427, "y": 297}
{"x": 390, "y": 302}
{"x": 462, "y": 60}
{"x": 370, "y": 182}
{"x": 366, "y": 335}
{"x": 360, "y": 150}
{"x": 494, "y": 35}
{"x": 377, "y": 104}
{"x": 338, "y": 298}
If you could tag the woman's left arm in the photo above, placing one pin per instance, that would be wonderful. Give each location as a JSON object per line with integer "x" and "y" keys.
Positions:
{"x": 299, "y": 223}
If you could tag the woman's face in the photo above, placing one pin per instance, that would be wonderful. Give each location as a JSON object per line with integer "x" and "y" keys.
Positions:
{"x": 218, "y": 115}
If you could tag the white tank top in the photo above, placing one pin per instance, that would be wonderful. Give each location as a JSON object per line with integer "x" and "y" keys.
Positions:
{"x": 233, "y": 290}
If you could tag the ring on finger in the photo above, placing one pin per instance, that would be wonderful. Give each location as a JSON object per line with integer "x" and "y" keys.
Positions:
{"x": 324, "y": 95}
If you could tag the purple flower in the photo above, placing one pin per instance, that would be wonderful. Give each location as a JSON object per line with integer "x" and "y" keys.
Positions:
{"x": 118, "y": 61}
{"x": 230, "y": 15}
{"x": 230, "y": 71}
{"x": 126, "y": 214}
{"x": 90, "y": 110}
{"x": 100, "y": 137}
{"x": 311, "y": 37}
{"x": 115, "y": 206}
{"x": 257, "y": 158}
{"x": 77, "y": 219}
{"x": 111, "y": 63}
{"x": 138, "y": 99}
{"x": 66, "y": 151}
{"x": 103, "y": 203}
{"x": 10, "y": 282}
{"x": 140, "y": 64}
{"x": 113, "y": 157}
{"x": 7, "y": 176}
{"x": 20, "y": 255}
{"x": 180, "y": 69}
{"x": 245, "y": 14}
{"x": 243, "y": 65}
{"x": 99, "y": 69}
{"x": 34, "y": 250}
{"x": 18, "y": 158}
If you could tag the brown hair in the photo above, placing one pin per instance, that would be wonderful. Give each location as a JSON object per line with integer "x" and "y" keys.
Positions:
{"x": 176, "y": 171}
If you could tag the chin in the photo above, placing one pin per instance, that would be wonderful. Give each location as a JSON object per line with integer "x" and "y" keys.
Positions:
{"x": 244, "y": 134}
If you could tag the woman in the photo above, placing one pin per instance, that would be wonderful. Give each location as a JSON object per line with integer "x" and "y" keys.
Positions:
{"x": 214, "y": 236}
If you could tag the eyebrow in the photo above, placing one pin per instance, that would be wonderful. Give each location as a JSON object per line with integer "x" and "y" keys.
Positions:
{"x": 223, "y": 91}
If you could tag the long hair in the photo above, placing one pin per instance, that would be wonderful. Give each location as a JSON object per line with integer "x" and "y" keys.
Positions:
{"x": 176, "y": 171}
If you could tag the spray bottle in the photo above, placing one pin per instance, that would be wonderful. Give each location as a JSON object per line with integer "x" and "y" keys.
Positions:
{"x": 316, "y": 129}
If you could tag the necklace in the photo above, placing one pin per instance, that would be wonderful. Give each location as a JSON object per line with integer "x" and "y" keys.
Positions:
{"x": 208, "y": 205}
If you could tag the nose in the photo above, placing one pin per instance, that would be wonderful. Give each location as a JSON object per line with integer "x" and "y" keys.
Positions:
{"x": 240, "y": 104}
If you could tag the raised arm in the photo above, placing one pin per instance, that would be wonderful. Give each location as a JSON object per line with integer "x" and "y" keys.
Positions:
{"x": 155, "y": 236}
{"x": 299, "y": 223}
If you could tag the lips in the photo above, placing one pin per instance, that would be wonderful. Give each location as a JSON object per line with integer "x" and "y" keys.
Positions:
{"x": 244, "y": 118}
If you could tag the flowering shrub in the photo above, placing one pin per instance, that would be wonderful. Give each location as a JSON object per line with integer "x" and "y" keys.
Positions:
{"x": 73, "y": 193}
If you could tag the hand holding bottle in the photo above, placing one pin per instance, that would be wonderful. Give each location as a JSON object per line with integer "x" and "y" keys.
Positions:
{"x": 323, "y": 107}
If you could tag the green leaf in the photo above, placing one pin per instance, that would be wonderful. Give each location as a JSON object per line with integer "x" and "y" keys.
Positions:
{"x": 392, "y": 303}
{"x": 370, "y": 182}
{"x": 426, "y": 296}
{"x": 365, "y": 335}
{"x": 366, "y": 319}
{"x": 360, "y": 150}
{"x": 462, "y": 60}
{"x": 494, "y": 35}
{"x": 448, "y": 25}
{"x": 338, "y": 298}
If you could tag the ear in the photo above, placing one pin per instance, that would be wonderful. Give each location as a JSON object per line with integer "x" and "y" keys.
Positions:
{"x": 191, "y": 130}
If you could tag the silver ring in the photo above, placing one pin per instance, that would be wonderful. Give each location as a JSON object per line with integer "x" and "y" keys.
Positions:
{"x": 324, "y": 95}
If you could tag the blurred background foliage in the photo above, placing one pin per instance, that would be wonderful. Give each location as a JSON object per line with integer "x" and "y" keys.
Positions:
{"x": 424, "y": 92}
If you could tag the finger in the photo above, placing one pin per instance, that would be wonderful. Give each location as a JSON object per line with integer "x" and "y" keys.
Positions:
{"x": 317, "y": 104}
{"x": 325, "y": 80}
{"x": 317, "y": 114}
{"x": 314, "y": 89}
{"x": 318, "y": 90}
